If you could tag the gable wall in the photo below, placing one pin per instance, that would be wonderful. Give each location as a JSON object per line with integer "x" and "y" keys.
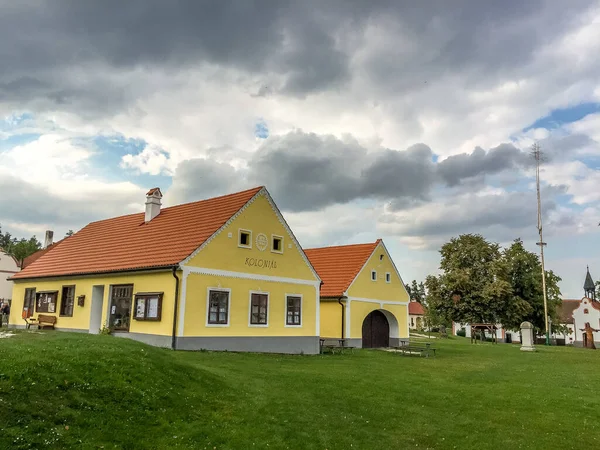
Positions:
{"x": 223, "y": 252}
{"x": 580, "y": 318}
{"x": 363, "y": 287}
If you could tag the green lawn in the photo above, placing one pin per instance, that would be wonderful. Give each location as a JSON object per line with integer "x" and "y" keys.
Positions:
{"x": 63, "y": 390}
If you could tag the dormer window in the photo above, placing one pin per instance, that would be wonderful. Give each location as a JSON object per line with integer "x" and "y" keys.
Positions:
{"x": 277, "y": 244}
{"x": 373, "y": 275}
{"x": 245, "y": 239}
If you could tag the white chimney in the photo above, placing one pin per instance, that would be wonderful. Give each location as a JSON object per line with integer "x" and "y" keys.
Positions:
{"x": 48, "y": 239}
{"x": 153, "y": 203}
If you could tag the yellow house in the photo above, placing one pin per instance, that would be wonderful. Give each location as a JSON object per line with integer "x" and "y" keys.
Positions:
{"x": 363, "y": 297}
{"x": 225, "y": 273}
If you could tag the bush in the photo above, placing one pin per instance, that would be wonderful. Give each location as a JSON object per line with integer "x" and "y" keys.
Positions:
{"x": 462, "y": 332}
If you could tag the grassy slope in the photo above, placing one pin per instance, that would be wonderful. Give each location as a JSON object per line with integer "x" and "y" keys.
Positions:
{"x": 118, "y": 393}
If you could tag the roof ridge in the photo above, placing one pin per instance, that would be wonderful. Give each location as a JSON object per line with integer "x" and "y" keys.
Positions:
{"x": 218, "y": 197}
{"x": 344, "y": 245}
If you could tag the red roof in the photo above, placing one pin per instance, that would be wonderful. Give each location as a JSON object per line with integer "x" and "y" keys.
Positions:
{"x": 128, "y": 243}
{"x": 416, "y": 308}
{"x": 338, "y": 266}
{"x": 35, "y": 256}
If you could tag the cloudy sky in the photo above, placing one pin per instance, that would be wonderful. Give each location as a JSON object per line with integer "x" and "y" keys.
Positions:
{"x": 410, "y": 121}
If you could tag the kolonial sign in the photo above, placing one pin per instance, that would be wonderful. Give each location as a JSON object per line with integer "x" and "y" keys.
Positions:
{"x": 263, "y": 263}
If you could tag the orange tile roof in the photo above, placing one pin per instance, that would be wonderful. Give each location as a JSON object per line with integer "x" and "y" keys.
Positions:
{"x": 338, "y": 266}
{"x": 416, "y": 308}
{"x": 128, "y": 243}
{"x": 37, "y": 255}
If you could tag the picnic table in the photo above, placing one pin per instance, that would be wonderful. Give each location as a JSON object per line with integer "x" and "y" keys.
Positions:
{"x": 334, "y": 344}
{"x": 421, "y": 349}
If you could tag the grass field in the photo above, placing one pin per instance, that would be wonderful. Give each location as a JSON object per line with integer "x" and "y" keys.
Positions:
{"x": 63, "y": 390}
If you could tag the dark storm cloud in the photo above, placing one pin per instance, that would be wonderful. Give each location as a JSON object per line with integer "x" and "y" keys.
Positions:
{"x": 306, "y": 172}
{"x": 454, "y": 169}
{"x": 310, "y": 44}
{"x": 504, "y": 217}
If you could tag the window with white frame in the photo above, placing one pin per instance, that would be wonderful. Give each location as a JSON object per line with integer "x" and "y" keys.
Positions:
{"x": 218, "y": 307}
{"x": 259, "y": 305}
{"x": 293, "y": 313}
{"x": 388, "y": 277}
{"x": 373, "y": 275}
{"x": 245, "y": 238}
{"x": 277, "y": 244}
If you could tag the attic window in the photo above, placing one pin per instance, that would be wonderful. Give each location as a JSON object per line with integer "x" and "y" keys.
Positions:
{"x": 245, "y": 239}
{"x": 373, "y": 275}
{"x": 585, "y": 311}
{"x": 388, "y": 278}
{"x": 277, "y": 244}
{"x": 380, "y": 257}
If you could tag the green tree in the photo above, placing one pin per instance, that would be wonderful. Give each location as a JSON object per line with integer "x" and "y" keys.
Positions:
{"x": 416, "y": 291}
{"x": 473, "y": 287}
{"x": 524, "y": 276}
{"x": 6, "y": 240}
{"x": 436, "y": 314}
{"x": 23, "y": 248}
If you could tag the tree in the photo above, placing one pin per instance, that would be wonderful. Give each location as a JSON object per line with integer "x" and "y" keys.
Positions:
{"x": 416, "y": 291}
{"x": 6, "y": 240}
{"x": 524, "y": 275}
{"x": 474, "y": 286}
{"x": 483, "y": 283}
{"x": 23, "y": 248}
{"x": 435, "y": 313}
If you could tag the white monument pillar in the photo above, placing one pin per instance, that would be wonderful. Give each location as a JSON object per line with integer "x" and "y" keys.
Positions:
{"x": 527, "y": 337}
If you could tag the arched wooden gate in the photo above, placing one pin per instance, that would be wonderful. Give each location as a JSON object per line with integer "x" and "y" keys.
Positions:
{"x": 375, "y": 331}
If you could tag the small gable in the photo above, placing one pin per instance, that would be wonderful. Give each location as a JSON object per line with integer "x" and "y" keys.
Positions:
{"x": 379, "y": 279}
{"x": 338, "y": 265}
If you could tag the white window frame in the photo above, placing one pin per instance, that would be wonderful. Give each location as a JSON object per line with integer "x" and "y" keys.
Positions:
{"x": 239, "y": 242}
{"x": 273, "y": 236}
{"x": 373, "y": 272}
{"x": 259, "y": 325}
{"x": 218, "y": 325}
{"x": 285, "y": 324}
{"x": 388, "y": 277}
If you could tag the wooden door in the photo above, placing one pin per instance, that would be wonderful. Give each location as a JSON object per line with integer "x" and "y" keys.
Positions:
{"x": 120, "y": 307}
{"x": 375, "y": 331}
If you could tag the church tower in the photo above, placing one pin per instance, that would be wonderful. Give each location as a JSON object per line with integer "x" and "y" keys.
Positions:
{"x": 589, "y": 287}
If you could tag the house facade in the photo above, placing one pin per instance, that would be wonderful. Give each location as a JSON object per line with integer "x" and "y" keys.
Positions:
{"x": 363, "y": 297}
{"x": 416, "y": 314}
{"x": 221, "y": 274}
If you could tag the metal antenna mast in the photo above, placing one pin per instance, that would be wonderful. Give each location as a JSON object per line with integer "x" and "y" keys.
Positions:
{"x": 537, "y": 154}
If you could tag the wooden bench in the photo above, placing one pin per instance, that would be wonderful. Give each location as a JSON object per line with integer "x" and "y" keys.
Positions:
{"x": 46, "y": 321}
{"x": 420, "y": 349}
{"x": 333, "y": 346}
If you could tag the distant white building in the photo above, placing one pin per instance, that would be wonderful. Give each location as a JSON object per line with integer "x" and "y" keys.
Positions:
{"x": 416, "y": 315}
{"x": 8, "y": 267}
